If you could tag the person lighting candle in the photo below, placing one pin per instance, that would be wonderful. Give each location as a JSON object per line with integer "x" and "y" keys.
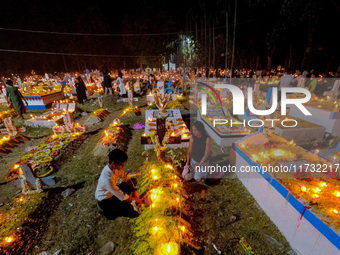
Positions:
{"x": 116, "y": 190}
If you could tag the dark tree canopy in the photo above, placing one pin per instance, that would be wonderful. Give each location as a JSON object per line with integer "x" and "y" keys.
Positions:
{"x": 291, "y": 33}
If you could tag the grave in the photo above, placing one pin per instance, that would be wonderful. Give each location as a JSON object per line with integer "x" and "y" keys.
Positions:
{"x": 29, "y": 182}
{"x": 304, "y": 131}
{"x": 303, "y": 229}
{"x": 223, "y": 135}
{"x": 178, "y": 133}
{"x": 51, "y": 118}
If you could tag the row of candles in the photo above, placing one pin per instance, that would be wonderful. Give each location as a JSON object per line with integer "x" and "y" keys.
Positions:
{"x": 183, "y": 130}
{"x": 323, "y": 191}
{"x": 159, "y": 198}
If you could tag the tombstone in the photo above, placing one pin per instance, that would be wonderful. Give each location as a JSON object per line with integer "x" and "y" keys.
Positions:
{"x": 68, "y": 121}
{"x": 29, "y": 182}
{"x": 100, "y": 101}
{"x": 130, "y": 97}
{"x": 62, "y": 106}
{"x": 160, "y": 87}
{"x": 71, "y": 107}
{"x": 10, "y": 126}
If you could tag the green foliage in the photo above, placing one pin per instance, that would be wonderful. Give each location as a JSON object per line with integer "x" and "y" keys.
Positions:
{"x": 179, "y": 156}
{"x": 156, "y": 224}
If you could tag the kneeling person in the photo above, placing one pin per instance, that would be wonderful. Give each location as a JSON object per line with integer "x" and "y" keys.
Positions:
{"x": 116, "y": 190}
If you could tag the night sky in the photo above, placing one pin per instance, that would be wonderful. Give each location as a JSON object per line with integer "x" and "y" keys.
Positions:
{"x": 130, "y": 29}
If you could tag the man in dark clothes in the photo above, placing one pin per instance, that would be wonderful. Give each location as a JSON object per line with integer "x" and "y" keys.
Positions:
{"x": 107, "y": 82}
{"x": 80, "y": 89}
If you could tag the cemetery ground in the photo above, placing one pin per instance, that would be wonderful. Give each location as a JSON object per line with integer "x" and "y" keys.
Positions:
{"x": 223, "y": 212}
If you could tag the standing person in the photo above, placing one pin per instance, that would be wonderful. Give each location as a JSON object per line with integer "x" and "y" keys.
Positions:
{"x": 286, "y": 80}
{"x": 107, "y": 82}
{"x": 313, "y": 83}
{"x": 300, "y": 79}
{"x": 199, "y": 153}
{"x": 121, "y": 86}
{"x": 14, "y": 98}
{"x": 115, "y": 188}
{"x": 80, "y": 89}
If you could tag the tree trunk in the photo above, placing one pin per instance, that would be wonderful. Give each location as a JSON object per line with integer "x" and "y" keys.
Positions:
{"x": 196, "y": 39}
{"x": 270, "y": 52}
{"x": 257, "y": 62}
{"x": 209, "y": 51}
{"x": 234, "y": 38}
{"x": 205, "y": 39}
{"x": 226, "y": 43}
{"x": 306, "y": 55}
{"x": 213, "y": 49}
{"x": 202, "y": 33}
{"x": 288, "y": 63}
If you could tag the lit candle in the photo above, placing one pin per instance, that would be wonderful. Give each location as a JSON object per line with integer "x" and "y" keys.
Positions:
{"x": 9, "y": 239}
{"x": 323, "y": 184}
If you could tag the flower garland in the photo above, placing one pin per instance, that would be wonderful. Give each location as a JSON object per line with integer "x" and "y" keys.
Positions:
{"x": 41, "y": 158}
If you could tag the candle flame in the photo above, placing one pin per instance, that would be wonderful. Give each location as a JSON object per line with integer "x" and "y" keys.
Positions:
{"x": 323, "y": 184}
{"x": 9, "y": 239}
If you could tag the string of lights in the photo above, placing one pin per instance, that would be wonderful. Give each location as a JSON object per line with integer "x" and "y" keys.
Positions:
{"x": 122, "y": 35}
{"x": 76, "y": 54}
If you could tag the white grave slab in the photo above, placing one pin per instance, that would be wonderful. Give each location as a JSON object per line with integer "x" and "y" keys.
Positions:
{"x": 305, "y": 233}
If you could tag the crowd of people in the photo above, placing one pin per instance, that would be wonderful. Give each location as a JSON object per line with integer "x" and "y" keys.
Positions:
{"x": 142, "y": 81}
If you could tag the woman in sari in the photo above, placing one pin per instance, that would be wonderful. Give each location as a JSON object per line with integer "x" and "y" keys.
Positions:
{"x": 15, "y": 98}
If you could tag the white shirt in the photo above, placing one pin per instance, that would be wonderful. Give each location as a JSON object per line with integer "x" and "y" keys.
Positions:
{"x": 107, "y": 184}
{"x": 301, "y": 81}
{"x": 121, "y": 86}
